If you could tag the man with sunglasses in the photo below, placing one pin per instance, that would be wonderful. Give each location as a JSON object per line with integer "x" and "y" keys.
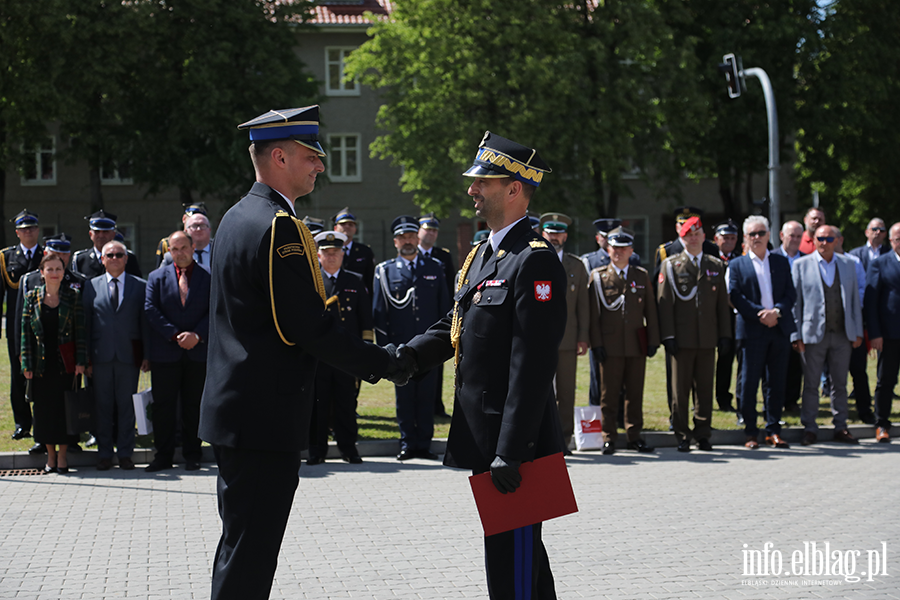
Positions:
{"x": 876, "y": 244}
{"x": 828, "y": 316}
{"x": 88, "y": 263}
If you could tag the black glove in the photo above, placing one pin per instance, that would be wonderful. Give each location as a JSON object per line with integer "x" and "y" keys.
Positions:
{"x": 505, "y": 474}
{"x": 401, "y": 364}
{"x": 725, "y": 345}
{"x": 599, "y": 353}
{"x": 671, "y": 346}
{"x": 651, "y": 351}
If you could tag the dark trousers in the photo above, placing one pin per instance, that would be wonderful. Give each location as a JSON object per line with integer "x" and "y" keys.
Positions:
{"x": 794, "y": 380}
{"x": 889, "y": 365}
{"x": 439, "y": 409}
{"x": 768, "y": 355}
{"x": 517, "y": 565}
{"x": 860, "y": 380}
{"x": 336, "y": 394}
{"x": 169, "y": 379}
{"x": 724, "y": 364}
{"x": 415, "y": 412}
{"x": 255, "y": 491}
{"x": 20, "y": 409}
{"x": 594, "y": 389}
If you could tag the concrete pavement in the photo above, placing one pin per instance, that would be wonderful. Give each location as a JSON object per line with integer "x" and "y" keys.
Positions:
{"x": 666, "y": 525}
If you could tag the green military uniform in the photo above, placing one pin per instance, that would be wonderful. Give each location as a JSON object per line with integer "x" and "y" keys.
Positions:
{"x": 694, "y": 311}
{"x": 624, "y": 323}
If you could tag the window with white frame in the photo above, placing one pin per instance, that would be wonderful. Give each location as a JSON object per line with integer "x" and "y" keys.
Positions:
{"x": 639, "y": 225}
{"x": 334, "y": 73}
{"x": 39, "y": 162}
{"x": 128, "y": 232}
{"x": 115, "y": 173}
{"x": 343, "y": 157}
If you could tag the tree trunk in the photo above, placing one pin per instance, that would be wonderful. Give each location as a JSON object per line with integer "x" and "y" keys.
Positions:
{"x": 612, "y": 205}
{"x": 96, "y": 189}
{"x": 184, "y": 194}
{"x": 599, "y": 202}
{"x": 726, "y": 194}
{"x": 2, "y": 200}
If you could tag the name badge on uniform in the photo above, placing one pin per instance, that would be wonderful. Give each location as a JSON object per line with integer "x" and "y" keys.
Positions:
{"x": 429, "y": 277}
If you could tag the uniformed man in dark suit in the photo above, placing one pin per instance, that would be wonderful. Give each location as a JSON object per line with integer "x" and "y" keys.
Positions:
{"x": 268, "y": 330}
{"x": 15, "y": 261}
{"x": 410, "y": 294}
{"x": 60, "y": 245}
{"x": 86, "y": 263}
{"x": 508, "y": 319}
{"x": 429, "y": 228}
{"x": 336, "y": 391}
{"x": 624, "y": 331}
{"x": 694, "y": 318}
{"x": 726, "y": 240}
{"x": 190, "y": 209}
{"x": 358, "y": 257}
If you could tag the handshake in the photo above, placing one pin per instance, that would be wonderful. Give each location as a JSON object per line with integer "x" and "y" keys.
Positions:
{"x": 401, "y": 364}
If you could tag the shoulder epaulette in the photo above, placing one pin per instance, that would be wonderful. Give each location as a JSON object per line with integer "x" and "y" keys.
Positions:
{"x": 538, "y": 244}
{"x": 640, "y": 269}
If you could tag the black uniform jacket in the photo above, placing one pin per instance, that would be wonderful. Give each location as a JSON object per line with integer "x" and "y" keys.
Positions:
{"x": 361, "y": 260}
{"x": 350, "y": 302}
{"x": 86, "y": 265}
{"x": 446, "y": 259}
{"x": 13, "y": 265}
{"x": 512, "y": 314}
{"x": 268, "y": 328}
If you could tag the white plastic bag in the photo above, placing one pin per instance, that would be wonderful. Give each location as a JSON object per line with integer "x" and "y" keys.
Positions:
{"x": 141, "y": 401}
{"x": 588, "y": 428}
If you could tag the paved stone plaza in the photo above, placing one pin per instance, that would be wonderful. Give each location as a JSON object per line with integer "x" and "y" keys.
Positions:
{"x": 666, "y": 525}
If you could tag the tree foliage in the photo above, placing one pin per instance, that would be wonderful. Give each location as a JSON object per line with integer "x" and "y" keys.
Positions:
{"x": 848, "y": 142}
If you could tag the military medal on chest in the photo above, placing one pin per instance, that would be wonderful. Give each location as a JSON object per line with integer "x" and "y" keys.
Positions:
{"x": 477, "y": 297}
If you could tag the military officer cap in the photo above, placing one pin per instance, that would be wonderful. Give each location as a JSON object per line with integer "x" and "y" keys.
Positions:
{"x": 692, "y": 224}
{"x": 102, "y": 221}
{"x": 604, "y": 226}
{"x": 534, "y": 220}
{"x": 555, "y": 222}
{"x": 621, "y": 237}
{"x": 313, "y": 224}
{"x": 429, "y": 221}
{"x": 344, "y": 216}
{"x": 480, "y": 236}
{"x": 25, "y": 219}
{"x": 499, "y": 157}
{"x": 330, "y": 239}
{"x": 727, "y": 227}
{"x": 119, "y": 237}
{"x": 60, "y": 243}
{"x": 683, "y": 213}
{"x": 298, "y": 124}
{"x": 403, "y": 224}
{"x": 193, "y": 208}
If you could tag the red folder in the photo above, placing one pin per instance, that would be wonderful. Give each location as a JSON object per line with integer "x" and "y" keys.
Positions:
{"x": 545, "y": 493}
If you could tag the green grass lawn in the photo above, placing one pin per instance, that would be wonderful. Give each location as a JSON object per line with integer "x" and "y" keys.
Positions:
{"x": 377, "y": 414}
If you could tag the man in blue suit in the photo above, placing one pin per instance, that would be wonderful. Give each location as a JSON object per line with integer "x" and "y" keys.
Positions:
{"x": 410, "y": 293}
{"x": 875, "y": 245}
{"x": 762, "y": 291}
{"x": 828, "y": 316}
{"x": 117, "y": 345}
{"x": 882, "y": 307}
{"x": 176, "y": 305}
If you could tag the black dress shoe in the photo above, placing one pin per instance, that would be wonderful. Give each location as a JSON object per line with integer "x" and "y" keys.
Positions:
{"x": 684, "y": 445}
{"x": 353, "y": 460}
{"x": 191, "y": 465}
{"x": 21, "y": 433}
{"x": 406, "y": 454}
{"x": 155, "y": 466}
{"x": 62, "y": 470}
{"x": 640, "y": 446}
{"x": 427, "y": 454}
{"x": 704, "y": 445}
{"x": 38, "y": 449}
{"x": 315, "y": 460}
{"x": 609, "y": 448}
{"x": 48, "y": 469}
{"x": 75, "y": 448}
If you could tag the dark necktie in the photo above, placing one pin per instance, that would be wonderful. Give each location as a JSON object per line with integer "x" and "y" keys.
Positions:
{"x": 333, "y": 280}
{"x": 412, "y": 268}
{"x": 488, "y": 252}
{"x": 28, "y": 256}
{"x": 114, "y": 293}
{"x": 200, "y": 257}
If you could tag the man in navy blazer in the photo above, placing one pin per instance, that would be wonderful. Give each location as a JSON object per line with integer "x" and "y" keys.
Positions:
{"x": 875, "y": 246}
{"x": 791, "y": 235}
{"x": 177, "y": 308}
{"x": 762, "y": 291}
{"x": 882, "y": 306}
{"x": 117, "y": 345}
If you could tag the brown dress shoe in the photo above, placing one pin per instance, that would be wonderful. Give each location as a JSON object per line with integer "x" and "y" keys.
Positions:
{"x": 845, "y": 437}
{"x": 809, "y": 438}
{"x": 126, "y": 464}
{"x": 751, "y": 443}
{"x": 776, "y": 441}
{"x": 104, "y": 464}
{"x": 882, "y": 435}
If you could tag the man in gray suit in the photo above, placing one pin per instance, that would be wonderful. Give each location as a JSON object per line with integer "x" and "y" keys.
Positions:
{"x": 829, "y": 324}
{"x": 117, "y": 335}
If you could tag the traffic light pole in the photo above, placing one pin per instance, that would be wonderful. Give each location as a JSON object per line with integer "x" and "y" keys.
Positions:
{"x": 772, "y": 114}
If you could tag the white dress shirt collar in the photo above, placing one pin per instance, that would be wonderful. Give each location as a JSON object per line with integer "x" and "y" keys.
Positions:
{"x": 291, "y": 204}
{"x": 496, "y": 237}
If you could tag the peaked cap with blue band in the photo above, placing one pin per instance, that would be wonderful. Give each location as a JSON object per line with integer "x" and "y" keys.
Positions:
{"x": 193, "y": 208}
{"x": 102, "y": 221}
{"x": 25, "y": 219}
{"x": 344, "y": 216}
{"x": 429, "y": 221}
{"x": 298, "y": 124}
{"x": 499, "y": 157}
{"x": 61, "y": 243}
{"x": 604, "y": 226}
{"x": 404, "y": 224}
